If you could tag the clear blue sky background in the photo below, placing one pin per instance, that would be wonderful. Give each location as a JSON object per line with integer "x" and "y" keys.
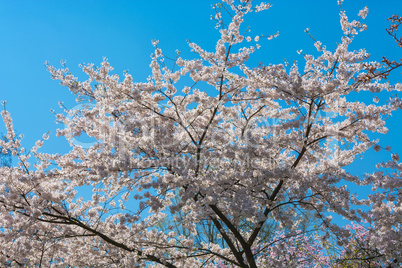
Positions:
{"x": 32, "y": 32}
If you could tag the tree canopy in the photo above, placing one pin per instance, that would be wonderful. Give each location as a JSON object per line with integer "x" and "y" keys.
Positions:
{"x": 213, "y": 163}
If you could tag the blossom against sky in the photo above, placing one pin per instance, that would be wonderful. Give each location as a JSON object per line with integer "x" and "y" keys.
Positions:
{"x": 33, "y": 32}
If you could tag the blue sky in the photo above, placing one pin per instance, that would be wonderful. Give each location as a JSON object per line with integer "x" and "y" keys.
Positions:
{"x": 32, "y": 32}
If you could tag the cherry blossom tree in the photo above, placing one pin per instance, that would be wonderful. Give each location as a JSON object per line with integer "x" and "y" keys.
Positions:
{"x": 250, "y": 153}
